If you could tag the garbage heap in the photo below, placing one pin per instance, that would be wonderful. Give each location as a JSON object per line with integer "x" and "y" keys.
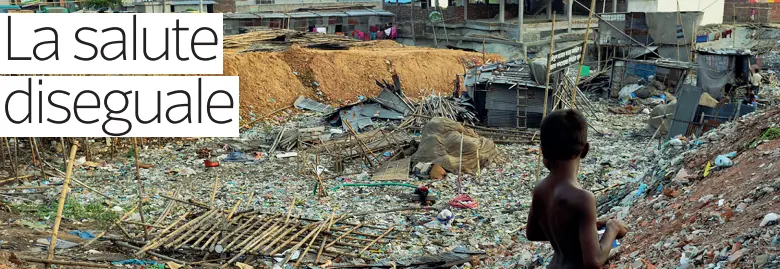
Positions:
{"x": 707, "y": 202}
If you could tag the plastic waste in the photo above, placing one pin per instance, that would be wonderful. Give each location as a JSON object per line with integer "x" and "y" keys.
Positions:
{"x": 82, "y": 234}
{"x": 627, "y": 93}
{"x": 134, "y": 262}
{"x": 723, "y": 161}
{"x": 615, "y": 243}
{"x": 445, "y": 217}
{"x": 641, "y": 190}
{"x": 684, "y": 262}
{"x": 707, "y": 169}
{"x": 208, "y": 163}
{"x": 675, "y": 142}
{"x": 769, "y": 219}
{"x": 61, "y": 244}
{"x": 237, "y": 156}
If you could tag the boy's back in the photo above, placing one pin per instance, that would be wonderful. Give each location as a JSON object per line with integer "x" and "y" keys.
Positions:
{"x": 561, "y": 211}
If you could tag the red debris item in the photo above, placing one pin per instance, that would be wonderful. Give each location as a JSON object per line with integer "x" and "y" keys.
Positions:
{"x": 208, "y": 163}
{"x": 463, "y": 201}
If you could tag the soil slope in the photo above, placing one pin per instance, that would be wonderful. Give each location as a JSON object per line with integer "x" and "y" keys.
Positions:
{"x": 273, "y": 80}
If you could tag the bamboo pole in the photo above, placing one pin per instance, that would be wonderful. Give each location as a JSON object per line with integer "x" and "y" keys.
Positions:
{"x": 11, "y": 159}
{"x": 584, "y": 51}
{"x": 14, "y": 178}
{"x": 289, "y": 211}
{"x": 376, "y": 240}
{"x": 233, "y": 211}
{"x": 140, "y": 186}
{"x": 308, "y": 246}
{"x": 2, "y": 152}
{"x": 679, "y": 21}
{"x": 64, "y": 161}
{"x": 167, "y": 258}
{"x": 343, "y": 235}
{"x": 125, "y": 216}
{"x": 87, "y": 153}
{"x": 32, "y": 153}
{"x": 82, "y": 184}
{"x": 61, "y": 206}
{"x": 214, "y": 192}
{"x": 546, "y": 94}
{"x": 248, "y": 204}
{"x": 82, "y": 264}
{"x": 251, "y": 222}
{"x": 286, "y": 242}
{"x": 303, "y": 241}
{"x": 40, "y": 156}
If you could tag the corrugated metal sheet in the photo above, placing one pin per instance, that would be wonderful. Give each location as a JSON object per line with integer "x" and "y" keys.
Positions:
{"x": 501, "y": 118}
{"x": 687, "y": 103}
{"x": 501, "y": 99}
{"x": 393, "y": 101}
{"x": 375, "y": 110}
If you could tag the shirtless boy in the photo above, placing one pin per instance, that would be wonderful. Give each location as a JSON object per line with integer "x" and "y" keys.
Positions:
{"x": 561, "y": 211}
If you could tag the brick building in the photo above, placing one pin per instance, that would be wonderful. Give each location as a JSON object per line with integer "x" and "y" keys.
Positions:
{"x": 740, "y": 11}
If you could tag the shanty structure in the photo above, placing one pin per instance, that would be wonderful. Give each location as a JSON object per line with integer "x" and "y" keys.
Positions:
{"x": 631, "y": 71}
{"x": 507, "y": 95}
{"x": 721, "y": 69}
{"x": 691, "y": 117}
{"x": 662, "y": 34}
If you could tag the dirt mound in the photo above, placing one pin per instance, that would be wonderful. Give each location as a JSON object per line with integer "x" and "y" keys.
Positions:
{"x": 273, "y": 80}
{"x": 266, "y": 82}
{"x": 714, "y": 219}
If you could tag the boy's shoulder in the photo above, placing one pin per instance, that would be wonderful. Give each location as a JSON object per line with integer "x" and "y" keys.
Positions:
{"x": 563, "y": 194}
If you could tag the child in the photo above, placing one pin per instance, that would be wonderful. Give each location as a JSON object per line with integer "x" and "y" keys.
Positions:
{"x": 750, "y": 98}
{"x": 561, "y": 211}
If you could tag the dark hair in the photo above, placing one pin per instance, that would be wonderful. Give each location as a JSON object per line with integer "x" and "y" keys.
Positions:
{"x": 564, "y": 134}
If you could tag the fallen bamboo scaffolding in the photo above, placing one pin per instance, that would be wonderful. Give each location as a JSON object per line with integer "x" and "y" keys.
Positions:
{"x": 116, "y": 223}
{"x": 248, "y": 236}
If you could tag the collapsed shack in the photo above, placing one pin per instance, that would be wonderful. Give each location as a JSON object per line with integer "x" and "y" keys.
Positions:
{"x": 444, "y": 142}
{"x": 507, "y": 95}
{"x": 626, "y": 72}
{"x": 693, "y": 118}
{"x": 628, "y": 34}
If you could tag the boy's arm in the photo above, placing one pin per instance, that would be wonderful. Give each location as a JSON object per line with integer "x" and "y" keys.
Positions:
{"x": 594, "y": 252}
{"x": 532, "y": 230}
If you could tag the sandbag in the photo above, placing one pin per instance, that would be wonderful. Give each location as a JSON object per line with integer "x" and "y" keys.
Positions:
{"x": 707, "y": 100}
{"x": 440, "y": 145}
{"x": 657, "y": 121}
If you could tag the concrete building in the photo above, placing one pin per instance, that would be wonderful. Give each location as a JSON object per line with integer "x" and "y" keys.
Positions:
{"x": 760, "y": 11}
{"x": 175, "y": 6}
{"x": 712, "y": 9}
{"x": 253, "y": 6}
{"x": 335, "y": 21}
{"x": 468, "y": 24}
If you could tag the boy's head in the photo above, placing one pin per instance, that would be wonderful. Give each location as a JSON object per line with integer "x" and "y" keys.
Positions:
{"x": 564, "y": 136}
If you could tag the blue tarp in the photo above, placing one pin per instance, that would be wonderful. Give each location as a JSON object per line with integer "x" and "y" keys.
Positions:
{"x": 641, "y": 70}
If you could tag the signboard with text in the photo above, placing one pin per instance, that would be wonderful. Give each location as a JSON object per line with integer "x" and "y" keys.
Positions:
{"x": 565, "y": 58}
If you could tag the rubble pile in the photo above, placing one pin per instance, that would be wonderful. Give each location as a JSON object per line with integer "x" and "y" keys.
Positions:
{"x": 709, "y": 202}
